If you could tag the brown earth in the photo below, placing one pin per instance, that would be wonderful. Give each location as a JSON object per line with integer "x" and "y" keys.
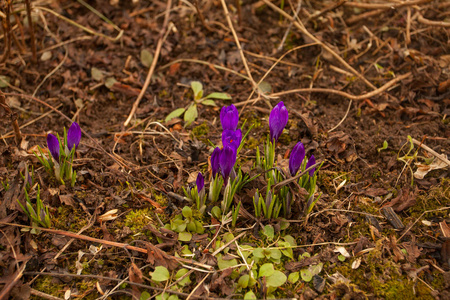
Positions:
{"x": 139, "y": 167}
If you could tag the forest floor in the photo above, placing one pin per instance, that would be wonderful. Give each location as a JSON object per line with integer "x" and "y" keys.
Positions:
{"x": 367, "y": 88}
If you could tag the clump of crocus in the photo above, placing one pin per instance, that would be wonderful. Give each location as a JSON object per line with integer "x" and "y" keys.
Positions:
{"x": 197, "y": 192}
{"x": 229, "y": 117}
{"x": 277, "y": 121}
{"x": 40, "y": 215}
{"x": 62, "y": 154}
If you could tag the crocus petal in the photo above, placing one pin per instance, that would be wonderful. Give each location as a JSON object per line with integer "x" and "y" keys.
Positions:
{"x": 229, "y": 117}
{"x": 200, "y": 182}
{"x": 232, "y": 138}
{"x": 73, "y": 136}
{"x": 277, "y": 121}
{"x": 296, "y": 158}
{"x": 226, "y": 161}
{"x": 53, "y": 146}
{"x": 311, "y": 161}
{"x": 215, "y": 161}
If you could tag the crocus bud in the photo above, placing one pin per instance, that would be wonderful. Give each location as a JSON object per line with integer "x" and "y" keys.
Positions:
{"x": 277, "y": 121}
{"x": 73, "y": 136}
{"x": 226, "y": 161}
{"x": 53, "y": 146}
{"x": 215, "y": 166}
{"x": 232, "y": 138}
{"x": 296, "y": 158}
{"x": 229, "y": 117}
{"x": 200, "y": 182}
{"x": 311, "y": 161}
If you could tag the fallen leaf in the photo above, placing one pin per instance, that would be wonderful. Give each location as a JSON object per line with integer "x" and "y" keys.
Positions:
{"x": 423, "y": 170}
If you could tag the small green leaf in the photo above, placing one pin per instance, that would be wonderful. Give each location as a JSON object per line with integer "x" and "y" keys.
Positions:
{"x": 209, "y": 102}
{"x": 269, "y": 232}
{"x": 266, "y": 270}
{"x": 258, "y": 252}
{"x": 275, "y": 253}
{"x": 187, "y": 212}
{"x": 146, "y": 58}
{"x": 223, "y": 264}
{"x": 249, "y": 295}
{"x": 290, "y": 240}
{"x": 243, "y": 281}
{"x": 287, "y": 251}
{"x": 184, "y": 236}
{"x": 197, "y": 88}
{"x": 316, "y": 269}
{"x": 175, "y": 114}
{"x": 144, "y": 296}
{"x": 185, "y": 280}
{"x": 191, "y": 114}
{"x": 294, "y": 277}
{"x": 341, "y": 257}
{"x": 384, "y": 147}
{"x": 306, "y": 274}
{"x": 173, "y": 297}
{"x": 97, "y": 74}
{"x": 109, "y": 82}
{"x": 216, "y": 212}
{"x": 276, "y": 279}
{"x": 265, "y": 87}
{"x": 4, "y": 81}
{"x": 160, "y": 274}
{"x": 284, "y": 224}
{"x": 220, "y": 96}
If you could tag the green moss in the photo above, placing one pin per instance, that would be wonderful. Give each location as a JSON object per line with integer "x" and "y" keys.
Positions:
{"x": 433, "y": 199}
{"x": 47, "y": 285}
{"x": 67, "y": 218}
{"x": 200, "y": 131}
{"x": 383, "y": 277}
{"x": 137, "y": 219}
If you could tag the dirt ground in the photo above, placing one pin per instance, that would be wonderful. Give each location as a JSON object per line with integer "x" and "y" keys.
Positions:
{"x": 354, "y": 76}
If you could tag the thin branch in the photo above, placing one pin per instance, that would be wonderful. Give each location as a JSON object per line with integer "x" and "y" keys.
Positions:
{"x": 386, "y": 5}
{"x": 153, "y": 65}
{"x": 31, "y": 27}
{"x": 303, "y": 29}
{"x": 422, "y": 20}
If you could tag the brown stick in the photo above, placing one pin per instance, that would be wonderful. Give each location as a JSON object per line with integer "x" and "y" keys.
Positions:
{"x": 110, "y": 243}
{"x": 7, "y": 30}
{"x": 386, "y": 5}
{"x": 13, "y": 117}
{"x": 152, "y": 67}
{"x": 422, "y": 20}
{"x": 327, "y": 9}
{"x": 303, "y": 29}
{"x": 31, "y": 27}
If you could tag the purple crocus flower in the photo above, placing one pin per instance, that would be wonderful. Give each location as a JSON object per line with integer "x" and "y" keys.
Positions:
{"x": 232, "y": 138}
{"x": 73, "y": 136}
{"x": 311, "y": 161}
{"x": 215, "y": 161}
{"x": 227, "y": 160}
{"x": 200, "y": 182}
{"x": 53, "y": 146}
{"x": 296, "y": 158}
{"x": 277, "y": 121}
{"x": 229, "y": 117}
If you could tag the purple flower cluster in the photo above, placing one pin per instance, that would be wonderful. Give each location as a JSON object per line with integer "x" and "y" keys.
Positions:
{"x": 73, "y": 140}
{"x": 225, "y": 158}
{"x": 296, "y": 159}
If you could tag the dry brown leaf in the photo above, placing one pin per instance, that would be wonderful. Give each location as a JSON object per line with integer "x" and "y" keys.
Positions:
{"x": 423, "y": 170}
